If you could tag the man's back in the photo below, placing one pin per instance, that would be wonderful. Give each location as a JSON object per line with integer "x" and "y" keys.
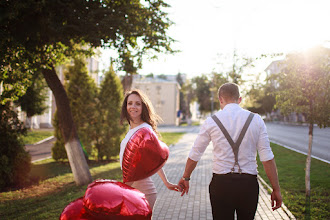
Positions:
{"x": 233, "y": 118}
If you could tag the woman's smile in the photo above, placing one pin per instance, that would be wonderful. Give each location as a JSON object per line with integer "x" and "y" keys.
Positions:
{"x": 134, "y": 107}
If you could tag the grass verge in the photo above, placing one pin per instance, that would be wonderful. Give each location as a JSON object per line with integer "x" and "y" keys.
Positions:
{"x": 171, "y": 137}
{"x": 291, "y": 171}
{"x": 54, "y": 187}
{"x": 35, "y": 136}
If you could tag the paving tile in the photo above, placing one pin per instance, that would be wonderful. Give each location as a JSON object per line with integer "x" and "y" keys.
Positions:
{"x": 196, "y": 205}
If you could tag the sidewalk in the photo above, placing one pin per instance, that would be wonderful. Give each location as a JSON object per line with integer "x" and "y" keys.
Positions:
{"x": 196, "y": 205}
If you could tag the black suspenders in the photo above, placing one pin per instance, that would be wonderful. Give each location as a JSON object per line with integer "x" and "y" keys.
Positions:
{"x": 235, "y": 146}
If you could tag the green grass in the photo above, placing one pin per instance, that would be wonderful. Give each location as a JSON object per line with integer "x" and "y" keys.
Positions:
{"x": 53, "y": 187}
{"x": 54, "y": 191}
{"x": 35, "y": 136}
{"x": 291, "y": 171}
{"x": 194, "y": 123}
{"x": 171, "y": 137}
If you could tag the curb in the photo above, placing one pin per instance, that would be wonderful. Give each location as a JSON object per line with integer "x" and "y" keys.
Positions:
{"x": 283, "y": 207}
{"x": 44, "y": 140}
{"x": 298, "y": 151}
{"x": 41, "y": 159}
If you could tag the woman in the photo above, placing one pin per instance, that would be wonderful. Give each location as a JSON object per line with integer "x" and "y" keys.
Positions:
{"x": 137, "y": 110}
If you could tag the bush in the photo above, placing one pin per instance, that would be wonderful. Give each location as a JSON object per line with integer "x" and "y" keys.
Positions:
{"x": 15, "y": 162}
{"x": 108, "y": 132}
{"x": 58, "y": 149}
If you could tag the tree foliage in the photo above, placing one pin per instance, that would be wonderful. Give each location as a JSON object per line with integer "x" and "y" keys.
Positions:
{"x": 58, "y": 149}
{"x": 82, "y": 93}
{"x": 15, "y": 162}
{"x": 305, "y": 85}
{"x": 107, "y": 129}
{"x": 305, "y": 88}
{"x": 205, "y": 91}
{"x": 33, "y": 101}
{"x": 261, "y": 98}
{"x": 39, "y": 35}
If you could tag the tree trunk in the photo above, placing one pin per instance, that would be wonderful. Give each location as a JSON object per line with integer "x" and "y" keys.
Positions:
{"x": 308, "y": 161}
{"x": 127, "y": 82}
{"x": 73, "y": 147}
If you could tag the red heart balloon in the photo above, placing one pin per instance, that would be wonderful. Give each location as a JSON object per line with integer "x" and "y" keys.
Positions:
{"x": 144, "y": 155}
{"x": 74, "y": 211}
{"x": 110, "y": 199}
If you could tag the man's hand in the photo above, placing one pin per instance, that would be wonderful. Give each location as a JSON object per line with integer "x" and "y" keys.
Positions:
{"x": 185, "y": 185}
{"x": 190, "y": 166}
{"x": 276, "y": 199}
{"x": 271, "y": 171}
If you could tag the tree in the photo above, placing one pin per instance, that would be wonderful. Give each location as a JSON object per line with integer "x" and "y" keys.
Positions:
{"x": 238, "y": 66}
{"x": 217, "y": 79}
{"x": 108, "y": 132}
{"x": 203, "y": 93}
{"x": 33, "y": 101}
{"x": 183, "y": 105}
{"x": 58, "y": 149}
{"x": 188, "y": 95}
{"x": 82, "y": 93}
{"x": 15, "y": 162}
{"x": 268, "y": 102}
{"x": 261, "y": 98}
{"x": 305, "y": 88}
{"x": 162, "y": 76}
{"x": 39, "y": 35}
{"x": 206, "y": 91}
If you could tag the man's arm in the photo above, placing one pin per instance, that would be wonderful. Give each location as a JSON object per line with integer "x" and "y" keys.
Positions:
{"x": 271, "y": 171}
{"x": 190, "y": 166}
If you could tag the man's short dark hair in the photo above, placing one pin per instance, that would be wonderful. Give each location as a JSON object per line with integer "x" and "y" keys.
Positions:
{"x": 229, "y": 91}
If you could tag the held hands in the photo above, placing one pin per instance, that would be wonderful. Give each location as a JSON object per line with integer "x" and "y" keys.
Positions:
{"x": 174, "y": 187}
{"x": 276, "y": 199}
{"x": 184, "y": 184}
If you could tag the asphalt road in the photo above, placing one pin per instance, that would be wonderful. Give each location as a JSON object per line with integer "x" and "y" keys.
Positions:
{"x": 291, "y": 136}
{"x": 40, "y": 151}
{"x": 296, "y": 137}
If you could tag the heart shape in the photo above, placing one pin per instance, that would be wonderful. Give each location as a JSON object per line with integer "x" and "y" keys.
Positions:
{"x": 75, "y": 211}
{"x": 110, "y": 199}
{"x": 144, "y": 155}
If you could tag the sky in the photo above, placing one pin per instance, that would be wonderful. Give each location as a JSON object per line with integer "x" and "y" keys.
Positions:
{"x": 207, "y": 32}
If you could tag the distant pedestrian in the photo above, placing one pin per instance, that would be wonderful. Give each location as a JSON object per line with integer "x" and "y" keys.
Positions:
{"x": 237, "y": 135}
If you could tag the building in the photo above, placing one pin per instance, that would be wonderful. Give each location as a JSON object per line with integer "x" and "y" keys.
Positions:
{"x": 164, "y": 95}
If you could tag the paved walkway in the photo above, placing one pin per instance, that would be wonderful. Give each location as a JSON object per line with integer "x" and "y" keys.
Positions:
{"x": 170, "y": 205}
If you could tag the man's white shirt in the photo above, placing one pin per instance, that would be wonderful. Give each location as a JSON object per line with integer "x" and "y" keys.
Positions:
{"x": 233, "y": 118}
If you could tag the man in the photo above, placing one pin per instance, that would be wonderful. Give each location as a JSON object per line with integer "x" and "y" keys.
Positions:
{"x": 237, "y": 135}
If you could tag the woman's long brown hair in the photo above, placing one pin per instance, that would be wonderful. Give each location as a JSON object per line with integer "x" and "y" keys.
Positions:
{"x": 148, "y": 113}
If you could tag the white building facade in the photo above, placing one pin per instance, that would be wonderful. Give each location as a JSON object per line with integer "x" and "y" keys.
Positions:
{"x": 164, "y": 95}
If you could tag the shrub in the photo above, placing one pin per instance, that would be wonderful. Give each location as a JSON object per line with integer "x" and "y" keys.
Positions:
{"x": 58, "y": 149}
{"x": 15, "y": 162}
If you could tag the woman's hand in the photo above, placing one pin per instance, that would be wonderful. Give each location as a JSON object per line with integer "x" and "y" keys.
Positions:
{"x": 174, "y": 187}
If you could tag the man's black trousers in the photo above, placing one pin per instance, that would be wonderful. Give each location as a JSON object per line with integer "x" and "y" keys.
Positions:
{"x": 230, "y": 192}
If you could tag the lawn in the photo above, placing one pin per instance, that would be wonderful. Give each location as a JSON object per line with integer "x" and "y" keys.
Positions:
{"x": 54, "y": 187}
{"x": 291, "y": 171}
{"x": 34, "y": 136}
{"x": 171, "y": 137}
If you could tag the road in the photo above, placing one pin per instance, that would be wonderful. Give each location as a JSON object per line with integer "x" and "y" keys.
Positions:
{"x": 292, "y": 136}
{"x": 296, "y": 137}
{"x": 40, "y": 151}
